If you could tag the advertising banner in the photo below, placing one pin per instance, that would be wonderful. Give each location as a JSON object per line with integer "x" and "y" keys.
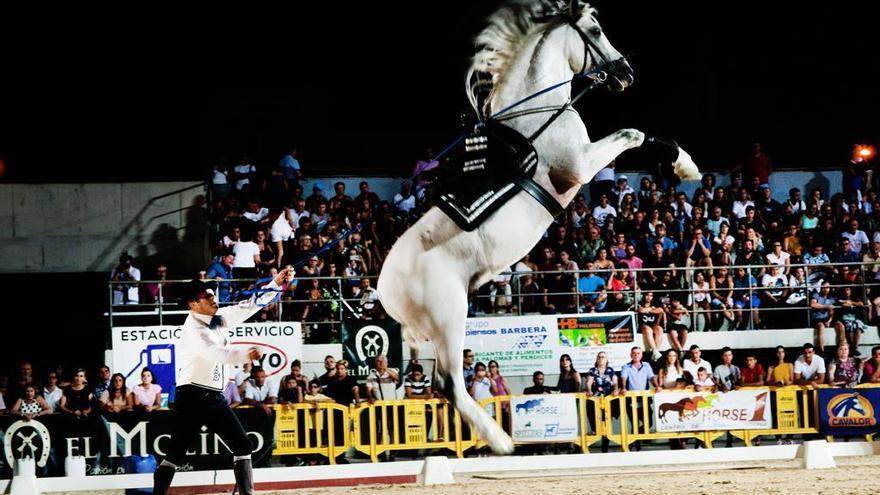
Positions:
{"x": 544, "y": 418}
{"x": 137, "y": 347}
{"x": 525, "y": 344}
{"x": 106, "y": 441}
{"x": 848, "y": 411}
{"x": 748, "y": 409}
{"x": 363, "y": 340}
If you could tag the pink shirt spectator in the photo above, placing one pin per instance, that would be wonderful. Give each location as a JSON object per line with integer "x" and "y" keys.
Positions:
{"x": 146, "y": 396}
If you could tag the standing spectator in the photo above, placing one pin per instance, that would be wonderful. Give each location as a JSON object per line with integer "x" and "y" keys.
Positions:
{"x": 774, "y": 295}
{"x": 780, "y": 373}
{"x": 601, "y": 378}
{"x": 30, "y": 405}
{"x": 417, "y": 385}
{"x": 753, "y": 372}
{"x": 76, "y": 399}
{"x": 482, "y": 387}
{"x": 221, "y": 271}
{"x": 300, "y": 381}
{"x": 259, "y": 392}
{"x": 538, "y": 387}
{"x": 147, "y": 395}
{"x": 670, "y": 370}
{"x": 727, "y": 375}
{"x": 468, "y": 367}
{"x": 382, "y": 382}
{"x": 329, "y": 372}
{"x": 758, "y": 166}
{"x": 636, "y": 375}
{"x": 501, "y": 387}
{"x": 843, "y": 371}
{"x": 745, "y": 299}
{"x": 289, "y": 393}
{"x": 621, "y": 190}
{"x": 116, "y": 398}
{"x": 366, "y": 195}
{"x": 569, "y": 378}
{"x": 247, "y": 258}
{"x": 125, "y": 291}
{"x": 24, "y": 379}
{"x": 52, "y": 392}
{"x": 696, "y": 361}
{"x": 220, "y": 180}
{"x": 602, "y": 183}
{"x": 267, "y": 258}
{"x": 157, "y": 292}
{"x": 103, "y": 382}
{"x": 243, "y": 172}
{"x": 809, "y": 369}
{"x": 343, "y": 388}
{"x": 291, "y": 167}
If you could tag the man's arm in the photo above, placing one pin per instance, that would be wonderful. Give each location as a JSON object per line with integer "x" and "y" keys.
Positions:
{"x": 240, "y": 312}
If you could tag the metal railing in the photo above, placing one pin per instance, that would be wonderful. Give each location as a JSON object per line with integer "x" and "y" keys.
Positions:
{"x": 336, "y": 302}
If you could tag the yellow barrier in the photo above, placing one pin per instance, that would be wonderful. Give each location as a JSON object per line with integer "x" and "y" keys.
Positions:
{"x": 302, "y": 429}
{"x": 410, "y": 425}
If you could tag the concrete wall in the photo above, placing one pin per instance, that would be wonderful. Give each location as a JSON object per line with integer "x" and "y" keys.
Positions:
{"x": 85, "y": 227}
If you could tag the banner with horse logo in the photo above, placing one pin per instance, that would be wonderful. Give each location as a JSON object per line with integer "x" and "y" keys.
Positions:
{"x": 747, "y": 409}
{"x": 543, "y": 418}
{"x": 848, "y": 412}
{"x": 363, "y": 340}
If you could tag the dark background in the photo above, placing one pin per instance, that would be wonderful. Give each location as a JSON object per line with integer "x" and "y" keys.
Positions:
{"x": 363, "y": 88}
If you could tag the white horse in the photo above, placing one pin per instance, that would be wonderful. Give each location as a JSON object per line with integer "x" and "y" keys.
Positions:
{"x": 431, "y": 269}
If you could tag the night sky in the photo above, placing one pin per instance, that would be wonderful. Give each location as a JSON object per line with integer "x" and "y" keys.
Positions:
{"x": 362, "y": 93}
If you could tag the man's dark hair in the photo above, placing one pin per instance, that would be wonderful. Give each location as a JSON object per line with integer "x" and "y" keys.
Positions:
{"x": 191, "y": 291}
{"x": 257, "y": 369}
{"x": 296, "y": 362}
{"x": 465, "y": 353}
{"x": 725, "y": 349}
{"x": 416, "y": 368}
{"x": 535, "y": 374}
{"x": 695, "y": 346}
{"x": 808, "y": 346}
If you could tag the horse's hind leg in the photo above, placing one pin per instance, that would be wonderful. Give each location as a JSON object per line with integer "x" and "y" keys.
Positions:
{"x": 448, "y": 338}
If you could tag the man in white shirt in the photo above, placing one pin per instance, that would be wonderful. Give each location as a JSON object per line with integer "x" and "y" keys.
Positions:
{"x": 202, "y": 357}
{"x": 259, "y": 391}
{"x": 247, "y": 256}
{"x": 858, "y": 240}
{"x": 809, "y": 369}
{"x": 695, "y": 362}
{"x": 243, "y": 173}
{"x": 125, "y": 293}
{"x": 601, "y": 211}
{"x": 405, "y": 200}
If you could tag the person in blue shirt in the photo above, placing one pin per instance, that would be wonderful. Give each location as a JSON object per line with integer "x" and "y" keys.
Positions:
{"x": 745, "y": 297}
{"x": 592, "y": 290}
{"x": 221, "y": 271}
{"x": 290, "y": 167}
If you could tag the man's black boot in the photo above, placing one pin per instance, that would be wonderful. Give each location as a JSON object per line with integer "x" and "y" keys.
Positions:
{"x": 162, "y": 479}
{"x": 244, "y": 476}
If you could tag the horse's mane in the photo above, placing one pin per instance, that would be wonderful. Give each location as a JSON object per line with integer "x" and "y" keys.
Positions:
{"x": 500, "y": 41}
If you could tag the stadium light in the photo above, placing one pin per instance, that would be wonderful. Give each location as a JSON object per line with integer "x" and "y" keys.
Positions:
{"x": 863, "y": 152}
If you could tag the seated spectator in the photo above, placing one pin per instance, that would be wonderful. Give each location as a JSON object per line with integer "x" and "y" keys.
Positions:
{"x": 255, "y": 213}
{"x": 791, "y": 243}
{"x": 722, "y": 246}
{"x": 727, "y": 375}
{"x": 299, "y": 380}
{"x": 147, "y": 395}
{"x": 259, "y": 392}
{"x": 538, "y": 387}
{"x": 852, "y": 317}
{"x": 809, "y": 369}
{"x": 721, "y": 290}
{"x": 753, "y": 372}
{"x": 773, "y": 295}
{"x": 116, "y": 398}
{"x": 780, "y": 373}
{"x": 822, "y": 316}
{"x": 678, "y": 322}
{"x": 699, "y": 299}
{"x": 698, "y": 250}
{"x": 591, "y": 288}
{"x": 316, "y": 198}
{"x": 482, "y": 387}
{"x": 844, "y": 254}
{"x": 843, "y": 371}
{"x": 52, "y": 392}
{"x": 31, "y": 405}
{"x": 158, "y": 291}
{"x": 417, "y": 385}
{"x": 221, "y": 271}
{"x": 76, "y": 399}
{"x": 658, "y": 261}
{"x": 636, "y": 375}
{"x": 704, "y": 382}
{"x": 872, "y": 263}
{"x": 651, "y": 321}
{"x": 745, "y": 299}
{"x": 621, "y": 295}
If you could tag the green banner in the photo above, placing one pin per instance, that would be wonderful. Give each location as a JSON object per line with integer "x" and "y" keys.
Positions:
{"x": 363, "y": 340}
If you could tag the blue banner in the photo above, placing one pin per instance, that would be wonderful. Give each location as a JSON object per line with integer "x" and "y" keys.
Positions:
{"x": 848, "y": 411}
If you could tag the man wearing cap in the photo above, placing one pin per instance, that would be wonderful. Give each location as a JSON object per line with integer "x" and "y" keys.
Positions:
{"x": 316, "y": 198}
{"x": 202, "y": 356}
{"x": 622, "y": 190}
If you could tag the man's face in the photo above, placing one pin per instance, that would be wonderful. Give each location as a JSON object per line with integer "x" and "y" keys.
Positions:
{"x": 260, "y": 378}
{"x": 636, "y": 355}
{"x": 295, "y": 370}
{"x": 27, "y": 371}
{"x": 630, "y": 250}
{"x": 751, "y": 361}
{"x": 808, "y": 355}
{"x": 381, "y": 363}
{"x": 727, "y": 357}
{"x": 603, "y": 200}
{"x": 854, "y": 226}
{"x": 795, "y": 196}
{"x": 658, "y": 249}
{"x": 696, "y": 353}
{"x": 229, "y": 259}
{"x": 538, "y": 380}
{"x": 340, "y": 189}
{"x": 364, "y": 187}
{"x": 205, "y": 304}
{"x": 341, "y": 371}
{"x": 104, "y": 374}
{"x": 469, "y": 359}
{"x": 716, "y": 213}
{"x": 329, "y": 363}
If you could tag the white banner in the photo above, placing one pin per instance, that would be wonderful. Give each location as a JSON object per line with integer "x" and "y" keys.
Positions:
{"x": 542, "y": 418}
{"x": 748, "y": 409}
{"x": 525, "y": 344}
{"x": 137, "y": 347}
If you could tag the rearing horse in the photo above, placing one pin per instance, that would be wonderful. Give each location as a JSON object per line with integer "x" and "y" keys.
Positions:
{"x": 429, "y": 272}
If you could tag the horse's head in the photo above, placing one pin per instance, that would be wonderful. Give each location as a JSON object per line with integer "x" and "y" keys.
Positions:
{"x": 595, "y": 51}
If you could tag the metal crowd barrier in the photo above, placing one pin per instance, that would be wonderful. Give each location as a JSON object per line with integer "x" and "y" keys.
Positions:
{"x": 414, "y": 425}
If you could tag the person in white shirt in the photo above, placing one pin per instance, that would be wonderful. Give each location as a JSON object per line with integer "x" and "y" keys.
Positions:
{"x": 247, "y": 255}
{"x": 202, "y": 357}
{"x": 243, "y": 173}
{"x": 695, "y": 362}
{"x": 858, "y": 240}
{"x": 125, "y": 293}
{"x": 405, "y": 200}
{"x": 259, "y": 391}
{"x": 740, "y": 205}
{"x": 809, "y": 369}
{"x": 602, "y": 210}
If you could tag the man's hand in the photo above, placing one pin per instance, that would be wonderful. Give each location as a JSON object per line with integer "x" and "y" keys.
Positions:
{"x": 254, "y": 354}
{"x": 284, "y": 276}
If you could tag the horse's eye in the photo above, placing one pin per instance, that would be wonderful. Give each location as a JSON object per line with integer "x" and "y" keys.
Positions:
{"x": 596, "y": 31}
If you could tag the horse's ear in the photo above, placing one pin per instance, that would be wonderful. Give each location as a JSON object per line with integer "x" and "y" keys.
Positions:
{"x": 575, "y": 7}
